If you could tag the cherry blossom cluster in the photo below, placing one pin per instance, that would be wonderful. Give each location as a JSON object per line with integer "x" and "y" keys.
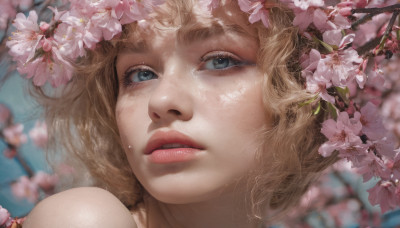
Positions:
{"x": 9, "y": 9}
{"x": 45, "y": 51}
{"x": 334, "y": 201}
{"x": 13, "y": 136}
{"x": 346, "y": 72}
{"x": 29, "y": 188}
{"x": 13, "y": 133}
{"x": 7, "y": 221}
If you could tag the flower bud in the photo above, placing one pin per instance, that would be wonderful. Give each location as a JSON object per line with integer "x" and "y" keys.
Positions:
{"x": 44, "y": 26}
{"x": 346, "y": 11}
{"x": 344, "y": 4}
{"x": 46, "y": 45}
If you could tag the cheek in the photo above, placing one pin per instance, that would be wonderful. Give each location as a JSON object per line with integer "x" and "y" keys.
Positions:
{"x": 239, "y": 106}
{"x": 129, "y": 113}
{"x": 237, "y": 118}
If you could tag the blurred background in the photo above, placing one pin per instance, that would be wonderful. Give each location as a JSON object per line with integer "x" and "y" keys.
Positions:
{"x": 14, "y": 96}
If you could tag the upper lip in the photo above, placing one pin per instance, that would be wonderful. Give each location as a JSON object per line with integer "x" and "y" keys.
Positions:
{"x": 160, "y": 138}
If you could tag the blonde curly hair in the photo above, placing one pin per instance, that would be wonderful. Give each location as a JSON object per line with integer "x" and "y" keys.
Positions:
{"x": 81, "y": 116}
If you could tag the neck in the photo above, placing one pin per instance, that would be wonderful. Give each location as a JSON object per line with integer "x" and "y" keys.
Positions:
{"x": 228, "y": 210}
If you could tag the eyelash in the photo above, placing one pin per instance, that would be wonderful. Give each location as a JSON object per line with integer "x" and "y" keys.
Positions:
{"x": 235, "y": 62}
{"x": 220, "y": 55}
{"x": 127, "y": 78}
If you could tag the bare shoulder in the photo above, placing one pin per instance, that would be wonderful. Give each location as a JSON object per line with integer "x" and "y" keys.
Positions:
{"x": 80, "y": 207}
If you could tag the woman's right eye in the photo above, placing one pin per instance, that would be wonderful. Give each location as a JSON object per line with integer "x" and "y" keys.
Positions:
{"x": 138, "y": 75}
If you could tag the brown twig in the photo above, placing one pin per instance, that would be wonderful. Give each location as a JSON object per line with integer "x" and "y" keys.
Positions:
{"x": 369, "y": 45}
{"x": 376, "y": 10}
{"x": 362, "y": 20}
{"x": 389, "y": 27}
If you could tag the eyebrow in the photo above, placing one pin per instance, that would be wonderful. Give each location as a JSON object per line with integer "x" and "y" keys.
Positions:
{"x": 137, "y": 46}
{"x": 189, "y": 35}
{"x": 185, "y": 35}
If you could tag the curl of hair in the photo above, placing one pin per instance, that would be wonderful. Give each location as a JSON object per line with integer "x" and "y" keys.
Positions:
{"x": 294, "y": 137}
{"x": 81, "y": 121}
{"x": 81, "y": 118}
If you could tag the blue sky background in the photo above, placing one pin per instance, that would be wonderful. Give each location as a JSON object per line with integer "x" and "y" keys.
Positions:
{"x": 14, "y": 94}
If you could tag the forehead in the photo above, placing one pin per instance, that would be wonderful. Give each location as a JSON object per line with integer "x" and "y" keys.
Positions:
{"x": 189, "y": 22}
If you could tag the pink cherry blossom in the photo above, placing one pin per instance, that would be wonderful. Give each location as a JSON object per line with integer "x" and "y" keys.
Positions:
{"x": 106, "y": 19}
{"x": 46, "y": 44}
{"x": 367, "y": 31}
{"x": 83, "y": 7}
{"x": 383, "y": 147}
{"x": 305, "y": 4}
{"x": 132, "y": 10}
{"x": 14, "y": 135}
{"x": 257, "y": 10}
{"x": 44, "y": 26}
{"x": 383, "y": 193}
{"x": 394, "y": 165}
{"x": 333, "y": 37}
{"x": 7, "y": 12}
{"x": 355, "y": 154}
{"x": 319, "y": 84}
{"x": 16, "y": 222}
{"x": 324, "y": 20}
{"x": 314, "y": 16}
{"x": 372, "y": 166}
{"x": 341, "y": 134}
{"x": 372, "y": 122}
{"x": 339, "y": 66}
{"x": 25, "y": 40}
{"x": 391, "y": 113}
{"x": 4, "y": 114}
{"x": 25, "y": 188}
{"x": 51, "y": 67}
{"x": 45, "y": 181}
{"x": 39, "y": 134}
{"x": 313, "y": 193}
{"x": 315, "y": 83}
{"x": 10, "y": 153}
{"x": 76, "y": 33}
{"x": 5, "y": 218}
{"x": 303, "y": 19}
{"x": 22, "y": 4}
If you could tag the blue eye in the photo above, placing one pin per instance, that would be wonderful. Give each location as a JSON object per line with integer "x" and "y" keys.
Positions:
{"x": 219, "y": 62}
{"x": 139, "y": 75}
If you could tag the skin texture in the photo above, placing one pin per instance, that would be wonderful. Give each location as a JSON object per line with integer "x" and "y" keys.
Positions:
{"x": 218, "y": 106}
{"x": 87, "y": 207}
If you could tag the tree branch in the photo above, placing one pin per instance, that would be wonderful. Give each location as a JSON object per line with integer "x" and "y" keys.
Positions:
{"x": 376, "y": 10}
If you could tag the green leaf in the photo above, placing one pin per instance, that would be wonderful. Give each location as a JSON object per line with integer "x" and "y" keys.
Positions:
{"x": 307, "y": 102}
{"x": 344, "y": 93}
{"x": 318, "y": 109}
{"x": 328, "y": 47}
{"x": 332, "y": 110}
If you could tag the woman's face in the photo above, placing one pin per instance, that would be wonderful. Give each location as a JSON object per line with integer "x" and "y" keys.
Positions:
{"x": 190, "y": 110}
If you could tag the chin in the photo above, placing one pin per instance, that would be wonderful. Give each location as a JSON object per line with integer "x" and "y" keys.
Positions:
{"x": 185, "y": 193}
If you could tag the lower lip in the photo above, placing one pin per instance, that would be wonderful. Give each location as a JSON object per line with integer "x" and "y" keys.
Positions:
{"x": 173, "y": 155}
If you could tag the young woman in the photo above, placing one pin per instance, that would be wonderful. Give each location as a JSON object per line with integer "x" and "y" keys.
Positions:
{"x": 190, "y": 118}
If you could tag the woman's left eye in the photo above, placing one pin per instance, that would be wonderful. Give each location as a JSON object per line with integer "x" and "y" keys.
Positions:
{"x": 219, "y": 62}
{"x": 138, "y": 75}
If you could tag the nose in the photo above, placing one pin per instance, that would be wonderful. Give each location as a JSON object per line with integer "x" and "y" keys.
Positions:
{"x": 170, "y": 101}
